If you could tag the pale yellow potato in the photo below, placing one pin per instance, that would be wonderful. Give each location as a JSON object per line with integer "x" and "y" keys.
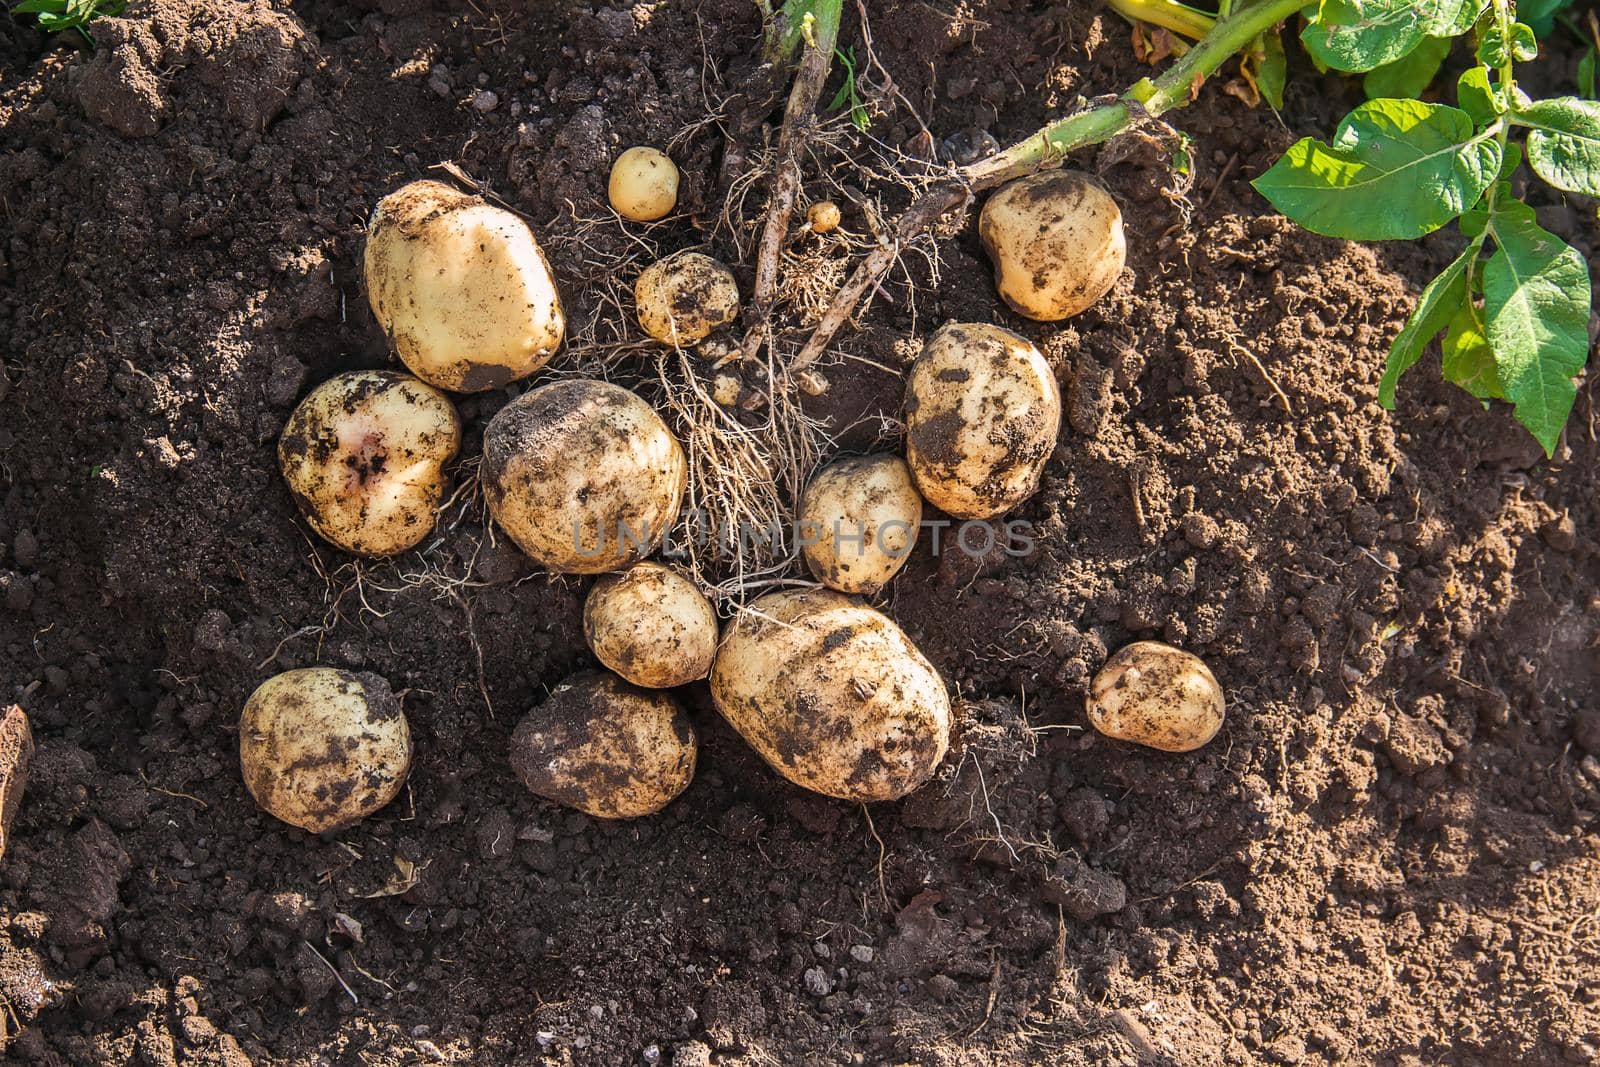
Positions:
{"x": 683, "y": 298}
{"x": 833, "y": 695}
{"x": 859, "y": 519}
{"x": 322, "y": 748}
{"x": 1156, "y": 695}
{"x": 823, "y": 216}
{"x": 1056, "y": 242}
{"x": 643, "y": 185}
{"x": 651, "y": 625}
{"x": 605, "y": 747}
{"x": 364, "y": 458}
{"x": 982, "y": 413}
{"x": 583, "y": 475}
{"x": 461, "y": 288}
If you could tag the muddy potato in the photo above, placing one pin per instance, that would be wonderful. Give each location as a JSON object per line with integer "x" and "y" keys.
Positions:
{"x": 322, "y": 748}
{"x": 583, "y": 475}
{"x": 1156, "y": 695}
{"x": 823, "y": 216}
{"x": 364, "y": 457}
{"x": 461, "y": 288}
{"x": 1056, "y": 242}
{"x": 643, "y": 185}
{"x": 833, "y": 695}
{"x": 859, "y": 519}
{"x": 605, "y": 747}
{"x": 651, "y": 625}
{"x": 982, "y": 412}
{"x": 683, "y": 298}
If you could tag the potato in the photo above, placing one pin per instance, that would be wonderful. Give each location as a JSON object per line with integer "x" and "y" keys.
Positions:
{"x": 605, "y": 747}
{"x": 683, "y": 298}
{"x": 982, "y": 413}
{"x": 1056, "y": 242}
{"x": 583, "y": 475}
{"x": 859, "y": 519}
{"x": 833, "y": 695}
{"x": 651, "y": 625}
{"x": 322, "y": 748}
{"x": 461, "y": 288}
{"x": 644, "y": 185}
{"x": 823, "y": 216}
{"x": 364, "y": 457}
{"x": 1156, "y": 695}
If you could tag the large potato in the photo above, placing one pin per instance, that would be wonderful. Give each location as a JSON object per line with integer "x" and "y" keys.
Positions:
{"x": 859, "y": 519}
{"x": 461, "y": 287}
{"x": 833, "y": 695}
{"x": 651, "y": 625}
{"x": 643, "y": 185}
{"x": 1056, "y": 242}
{"x": 364, "y": 457}
{"x": 322, "y": 748}
{"x": 1156, "y": 695}
{"x": 583, "y": 475}
{"x": 982, "y": 413}
{"x": 683, "y": 298}
{"x": 605, "y": 747}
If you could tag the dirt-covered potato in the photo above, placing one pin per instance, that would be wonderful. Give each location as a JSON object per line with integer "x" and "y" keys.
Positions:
{"x": 832, "y": 694}
{"x": 643, "y": 185}
{"x": 651, "y": 625}
{"x": 1056, "y": 242}
{"x": 322, "y": 748}
{"x": 982, "y": 412}
{"x": 683, "y": 298}
{"x": 583, "y": 475}
{"x": 364, "y": 457}
{"x": 823, "y": 216}
{"x": 859, "y": 519}
{"x": 461, "y": 287}
{"x": 605, "y": 747}
{"x": 1156, "y": 695}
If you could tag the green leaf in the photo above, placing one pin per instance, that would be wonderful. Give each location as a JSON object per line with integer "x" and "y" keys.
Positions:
{"x": 1358, "y": 35}
{"x": 1586, "y": 73}
{"x": 1496, "y": 47}
{"x": 34, "y": 7}
{"x": 1468, "y": 359}
{"x": 1438, "y": 302}
{"x": 1541, "y": 14}
{"x": 1409, "y": 75}
{"x": 1536, "y": 304}
{"x": 1564, "y": 142}
{"x": 1397, "y": 169}
{"x": 1451, "y": 18}
{"x": 1478, "y": 97}
{"x": 1272, "y": 74}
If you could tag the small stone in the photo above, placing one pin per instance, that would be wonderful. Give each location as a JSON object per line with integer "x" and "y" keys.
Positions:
{"x": 25, "y": 549}
{"x": 211, "y": 632}
{"x": 817, "y": 982}
{"x": 1413, "y": 746}
{"x": 485, "y": 101}
{"x": 1084, "y": 892}
{"x": 862, "y": 953}
{"x": 942, "y": 986}
{"x": 822, "y": 950}
{"x": 1560, "y": 533}
{"x": 652, "y": 1054}
{"x": 16, "y": 752}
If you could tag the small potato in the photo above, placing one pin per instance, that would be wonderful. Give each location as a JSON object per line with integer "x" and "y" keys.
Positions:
{"x": 833, "y": 695}
{"x": 322, "y": 748}
{"x": 823, "y": 216}
{"x": 364, "y": 457}
{"x": 644, "y": 185}
{"x": 651, "y": 625}
{"x": 583, "y": 475}
{"x": 461, "y": 288}
{"x": 982, "y": 413}
{"x": 606, "y": 748}
{"x": 1156, "y": 695}
{"x": 859, "y": 520}
{"x": 683, "y": 298}
{"x": 1056, "y": 242}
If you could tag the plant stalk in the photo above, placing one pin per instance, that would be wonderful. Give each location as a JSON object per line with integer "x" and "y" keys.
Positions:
{"x": 1175, "y": 88}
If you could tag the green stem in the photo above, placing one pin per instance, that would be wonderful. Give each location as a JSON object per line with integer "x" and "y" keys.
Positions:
{"x": 1168, "y": 14}
{"x": 1508, "y": 84}
{"x": 1173, "y": 89}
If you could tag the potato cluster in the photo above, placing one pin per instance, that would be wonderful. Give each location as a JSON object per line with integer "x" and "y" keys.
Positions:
{"x": 587, "y": 479}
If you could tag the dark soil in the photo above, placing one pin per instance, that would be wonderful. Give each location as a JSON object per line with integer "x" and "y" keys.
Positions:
{"x": 1390, "y": 855}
